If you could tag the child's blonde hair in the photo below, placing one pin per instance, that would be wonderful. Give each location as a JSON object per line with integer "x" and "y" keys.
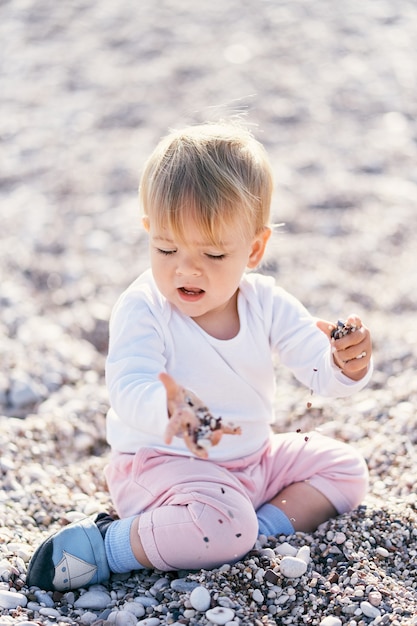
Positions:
{"x": 212, "y": 173}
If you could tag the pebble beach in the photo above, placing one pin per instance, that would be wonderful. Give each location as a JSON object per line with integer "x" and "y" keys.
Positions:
{"x": 87, "y": 89}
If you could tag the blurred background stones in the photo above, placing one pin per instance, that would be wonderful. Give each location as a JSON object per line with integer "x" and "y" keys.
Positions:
{"x": 86, "y": 90}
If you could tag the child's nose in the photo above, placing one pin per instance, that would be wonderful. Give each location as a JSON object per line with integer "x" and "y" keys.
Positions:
{"x": 187, "y": 266}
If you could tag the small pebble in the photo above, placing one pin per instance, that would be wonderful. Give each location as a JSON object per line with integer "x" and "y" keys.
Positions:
{"x": 268, "y": 552}
{"x": 258, "y": 597}
{"x": 375, "y": 598}
{"x": 220, "y": 615}
{"x": 44, "y": 598}
{"x": 150, "y": 621}
{"x": 11, "y": 600}
{"x": 178, "y": 584}
{"x": 88, "y": 618}
{"x": 292, "y": 567}
{"x": 49, "y": 612}
{"x": 331, "y": 620}
{"x": 200, "y": 599}
{"x": 146, "y": 600}
{"x": 282, "y": 599}
{"x": 286, "y": 549}
{"x": 123, "y": 618}
{"x": 138, "y": 610}
{"x": 93, "y": 599}
{"x": 382, "y": 551}
{"x": 304, "y": 554}
{"x": 369, "y": 610}
{"x": 271, "y": 576}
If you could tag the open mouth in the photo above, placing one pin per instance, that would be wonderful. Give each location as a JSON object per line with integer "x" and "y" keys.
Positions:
{"x": 191, "y": 291}
{"x": 190, "y": 294}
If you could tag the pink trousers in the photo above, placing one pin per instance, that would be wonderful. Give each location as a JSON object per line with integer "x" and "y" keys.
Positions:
{"x": 200, "y": 514}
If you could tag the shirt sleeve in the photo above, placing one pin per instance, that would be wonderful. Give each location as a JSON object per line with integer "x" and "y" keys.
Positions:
{"x": 135, "y": 358}
{"x": 306, "y": 350}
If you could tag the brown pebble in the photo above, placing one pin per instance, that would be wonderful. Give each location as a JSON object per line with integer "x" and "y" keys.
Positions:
{"x": 270, "y": 576}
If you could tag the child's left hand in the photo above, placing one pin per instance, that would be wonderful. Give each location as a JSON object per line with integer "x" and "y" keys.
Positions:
{"x": 352, "y": 352}
{"x": 191, "y": 419}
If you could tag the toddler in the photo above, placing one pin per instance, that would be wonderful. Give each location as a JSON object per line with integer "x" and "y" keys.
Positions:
{"x": 195, "y": 486}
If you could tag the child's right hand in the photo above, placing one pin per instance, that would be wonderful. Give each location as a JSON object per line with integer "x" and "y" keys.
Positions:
{"x": 190, "y": 419}
{"x": 183, "y": 420}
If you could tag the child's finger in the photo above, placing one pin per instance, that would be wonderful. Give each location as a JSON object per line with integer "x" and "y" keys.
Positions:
{"x": 215, "y": 437}
{"x": 181, "y": 421}
{"x": 172, "y": 388}
{"x": 194, "y": 447}
{"x": 326, "y": 327}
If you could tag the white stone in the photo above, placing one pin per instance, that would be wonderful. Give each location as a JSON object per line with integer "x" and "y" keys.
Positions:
{"x": 44, "y": 598}
{"x": 138, "y": 610}
{"x": 257, "y": 596}
{"x": 282, "y": 599}
{"x": 87, "y": 618}
{"x": 6, "y": 569}
{"x": 292, "y": 567}
{"x": 200, "y": 599}
{"x": 268, "y": 552}
{"x": 369, "y": 610}
{"x": 123, "y": 618}
{"x": 304, "y": 554}
{"x": 286, "y": 549}
{"x": 11, "y": 600}
{"x": 20, "y": 549}
{"x": 146, "y": 601}
{"x": 382, "y": 551}
{"x": 375, "y": 598}
{"x": 340, "y": 538}
{"x": 48, "y": 611}
{"x": 220, "y": 615}
{"x": 331, "y": 620}
{"x": 93, "y": 599}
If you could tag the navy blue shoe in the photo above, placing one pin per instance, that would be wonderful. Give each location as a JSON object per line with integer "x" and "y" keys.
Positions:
{"x": 74, "y": 557}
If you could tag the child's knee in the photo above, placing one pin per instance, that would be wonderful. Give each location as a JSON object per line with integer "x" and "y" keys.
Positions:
{"x": 233, "y": 534}
{"x": 205, "y": 536}
{"x": 344, "y": 480}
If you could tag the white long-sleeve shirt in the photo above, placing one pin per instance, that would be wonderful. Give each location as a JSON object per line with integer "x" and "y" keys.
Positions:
{"x": 234, "y": 377}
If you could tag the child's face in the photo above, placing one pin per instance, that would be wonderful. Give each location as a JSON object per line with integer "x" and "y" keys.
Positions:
{"x": 199, "y": 278}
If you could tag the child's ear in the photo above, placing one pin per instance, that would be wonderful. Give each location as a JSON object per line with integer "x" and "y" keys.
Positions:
{"x": 258, "y": 247}
{"x": 145, "y": 223}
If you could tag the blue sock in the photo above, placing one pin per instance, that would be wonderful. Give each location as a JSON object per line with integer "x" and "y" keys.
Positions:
{"x": 118, "y": 549}
{"x": 273, "y": 521}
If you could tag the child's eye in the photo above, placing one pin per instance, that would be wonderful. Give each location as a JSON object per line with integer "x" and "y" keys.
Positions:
{"x": 165, "y": 252}
{"x": 216, "y": 257}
